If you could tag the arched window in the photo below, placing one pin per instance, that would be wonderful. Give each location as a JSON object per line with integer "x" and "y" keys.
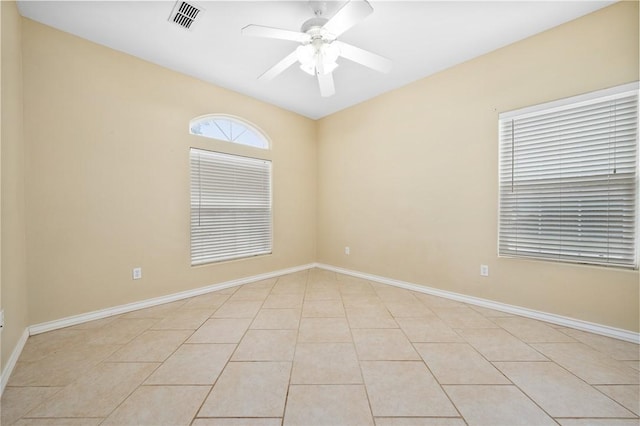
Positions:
{"x": 228, "y": 128}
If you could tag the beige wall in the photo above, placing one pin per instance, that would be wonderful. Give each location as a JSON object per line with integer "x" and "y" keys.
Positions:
{"x": 108, "y": 176}
{"x": 409, "y": 180}
{"x": 13, "y": 276}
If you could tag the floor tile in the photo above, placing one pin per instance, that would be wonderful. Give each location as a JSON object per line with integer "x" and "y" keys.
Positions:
{"x": 327, "y": 330}
{"x": 396, "y": 295}
{"x": 206, "y": 301}
{"x": 120, "y": 331}
{"x": 404, "y": 388}
{"x": 428, "y": 330}
{"x": 383, "y": 345}
{"x": 238, "y": 422}
{"x": 458, "y": 364}
{"x": 337, "y": 347}
{"x": 223, "y": 330}
{"x": 496, "y": 405}
{"x": 60, "y": 368}
{"x": 16, "y": 402}
{"x": 532, "y": 331}
{"x": 463, "y": 317}
{"x": 159, "y": 311}
{"x": 489, "y": 313}
{"x": 44, "y": 345}
{"x": 266, "y": 284}
{"x": 197, "y": 364}
{"x": 353, "y": 284}
{"x": 598, "y": 422}
{"x": 249, "y": 389}
{"x": 283, "y": 301}
{"x": 247, "y": 309}
{"x": 299, "y": 278}
{"x": 322, "y": 294}
{"x": 97, "y": 393}
{"x": 590, "y": 365}
{"x": 496, "y": 344}
{"x": 370, "y": 318}
{"x": 414, "y": 309}
{"x": 615, "y": 348}
{"x": 362, "y": 300}
{"x": 60, "y": 422}
{"x": 558, "y": 392}
{"x": 419, "y": 421}
{"x": 289, "y": 288}
{"x": 95, "y": 324}
{"x": 321, "y": 275}
{"x": 290, "y": 284}
{"x": 276, "y": 319}
{"x": 322, "y": 405}
{"x": 626, "y": 395}
{"x": 266, "y": 345}
{"x": 326, "y": 364}
{"x": 151, "y": 346}
{"x": 159, "y": 405}
{"x": 245, "y": 294}
{"x": 323, "y": 309}
{"x": 188, "y": 319}
{"x": 633, "y": 364}
{"x": 437, "y": 302}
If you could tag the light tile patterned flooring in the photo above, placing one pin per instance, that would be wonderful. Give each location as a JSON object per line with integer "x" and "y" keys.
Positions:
{"x": 319, "y": 348}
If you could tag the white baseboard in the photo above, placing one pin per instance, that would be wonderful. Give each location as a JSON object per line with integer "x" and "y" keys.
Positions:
{"x": 121, "y": 309}
{"x": 604, "y": 330}
{"x": 13, "y": 359}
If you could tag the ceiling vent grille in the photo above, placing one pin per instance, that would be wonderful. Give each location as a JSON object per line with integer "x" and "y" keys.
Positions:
{"x": 184, "y": 14}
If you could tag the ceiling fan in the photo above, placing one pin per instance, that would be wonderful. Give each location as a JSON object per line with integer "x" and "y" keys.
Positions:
{"x": 319, "y": 48}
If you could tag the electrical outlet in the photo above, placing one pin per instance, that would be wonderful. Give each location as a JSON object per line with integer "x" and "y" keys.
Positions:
{"x": 137, "y": 273}
{"x": 484, "y": 270}
{"x": 347, "y": 251}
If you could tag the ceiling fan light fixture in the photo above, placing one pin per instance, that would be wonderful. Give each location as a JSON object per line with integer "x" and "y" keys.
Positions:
{"x": 309, "y": 68}
{"x": 306, "y": 55}
{"x": 318, "y": 57}
{"x": 327, "y": 56}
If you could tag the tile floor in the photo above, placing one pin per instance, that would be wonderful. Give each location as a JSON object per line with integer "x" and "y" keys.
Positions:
{"x": 319, "y": 348}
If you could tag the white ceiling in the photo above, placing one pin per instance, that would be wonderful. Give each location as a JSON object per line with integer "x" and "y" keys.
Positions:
{"x": 420, "y": 37}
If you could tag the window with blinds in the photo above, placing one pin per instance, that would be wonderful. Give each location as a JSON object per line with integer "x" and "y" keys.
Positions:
{"x": 569, "y": 180}
{"x": 230, "y": 207}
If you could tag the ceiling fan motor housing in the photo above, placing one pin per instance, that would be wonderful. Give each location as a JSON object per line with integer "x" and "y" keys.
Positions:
{"x": 313, "y": 26}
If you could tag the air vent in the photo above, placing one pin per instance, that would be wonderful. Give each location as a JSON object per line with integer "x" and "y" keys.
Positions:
{"x": 184, "y": 14}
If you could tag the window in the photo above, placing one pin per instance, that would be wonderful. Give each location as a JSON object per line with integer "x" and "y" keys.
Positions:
{"x": 230, "y": 129}
{"x": 569, "y": 179}
{"x": 230, "y": 206}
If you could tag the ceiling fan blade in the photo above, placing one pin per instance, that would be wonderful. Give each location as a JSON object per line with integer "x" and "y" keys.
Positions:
{"x": 272, "y": 72}
{"x": 268, "y": 32}
{"x": 364, "y": 57}
{"x": 348, "y": 16}
{"x": 325, "y": 81}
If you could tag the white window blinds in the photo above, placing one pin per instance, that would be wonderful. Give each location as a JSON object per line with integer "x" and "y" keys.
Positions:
{"x": 230, "y": 207}
{"x": 569, "y": 180}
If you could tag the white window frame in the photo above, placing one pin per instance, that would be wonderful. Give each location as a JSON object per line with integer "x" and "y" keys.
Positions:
{"x": 231, "y": 207}
{"x": 556, "y": 236}
{"x": 230, "y": 128}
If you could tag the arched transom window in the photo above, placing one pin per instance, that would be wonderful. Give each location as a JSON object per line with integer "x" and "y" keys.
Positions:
{"x": 228, "y": 128}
